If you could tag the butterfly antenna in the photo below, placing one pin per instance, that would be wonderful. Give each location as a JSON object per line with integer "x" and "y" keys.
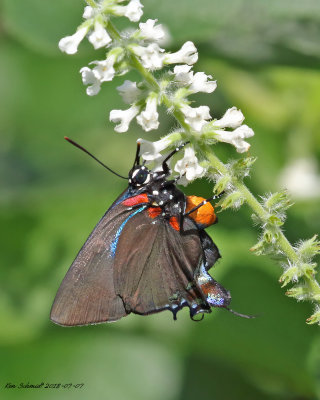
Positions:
{"x": 137, "y": 158}
{"x": 95, "y": 158}
{"x": 240, "y": 315}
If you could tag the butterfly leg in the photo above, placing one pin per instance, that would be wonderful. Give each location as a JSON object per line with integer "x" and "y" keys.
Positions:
{"x": 165, "y": 166}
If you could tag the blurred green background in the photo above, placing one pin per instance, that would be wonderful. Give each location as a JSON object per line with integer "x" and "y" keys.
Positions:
{"x": 266, "y": 58}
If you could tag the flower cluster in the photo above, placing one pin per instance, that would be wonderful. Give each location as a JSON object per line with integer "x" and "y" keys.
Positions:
{"x": 96, "y": 22}
{"x": 142, "y": 46}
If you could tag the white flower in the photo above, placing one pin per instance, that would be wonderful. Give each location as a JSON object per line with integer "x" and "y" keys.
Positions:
{"x": 151, "y": 151}
{"x": 148, "y": 119}
{"x": 99, "y": 37}
{"x": 236, "y": 137}
{"x": 133, "y": 10}
{"x": 196, "y": 117}
{"x": 197, "y": 82}
{"x": 150, "y": 31}
{"x": 186, "y": 55}
{"x": 301, "y": 178}
{"x": 129, "y": 92}
{"x": 150, "y": 56}
{"x": 183, "y": 75}
{"x": 104, "y": 70}
{"x": 188, "y": 167}
{"x": 124, "y": 117}
{"x": 89, "y": 12}
{"x": 232, "y": 118}
{"x": 69, "y": 44}
{"x": 89, "y": 77}
{"x": 200, "y": 83}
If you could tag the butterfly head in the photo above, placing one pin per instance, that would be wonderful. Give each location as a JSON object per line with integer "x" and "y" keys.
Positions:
{"x": 139, "y": 176}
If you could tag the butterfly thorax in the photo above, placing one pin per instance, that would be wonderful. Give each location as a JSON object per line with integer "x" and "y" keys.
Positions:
{"x": 160, "y": 193}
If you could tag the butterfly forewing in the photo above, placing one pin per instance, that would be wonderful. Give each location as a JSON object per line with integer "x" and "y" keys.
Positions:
{"x": 87, "y": 295}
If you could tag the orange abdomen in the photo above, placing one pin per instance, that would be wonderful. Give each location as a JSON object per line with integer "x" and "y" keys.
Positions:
{"x": 204, "y": 215}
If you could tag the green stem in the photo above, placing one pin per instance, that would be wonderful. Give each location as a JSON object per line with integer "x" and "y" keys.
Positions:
{"x": 113, "y": 32}
{"x": 217, "y": 165}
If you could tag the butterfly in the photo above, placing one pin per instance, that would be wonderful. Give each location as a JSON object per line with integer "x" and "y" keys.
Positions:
{"x": 148, "y": 253}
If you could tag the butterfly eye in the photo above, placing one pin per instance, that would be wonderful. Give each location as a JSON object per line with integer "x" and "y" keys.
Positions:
{"x": 141, "y": 176}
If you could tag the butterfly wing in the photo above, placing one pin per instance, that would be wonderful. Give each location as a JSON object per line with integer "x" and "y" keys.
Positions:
{"x": 86, "y": 294}
{"x": 155, "y": 264}
{"x": 132, "y": 263}
{"x": 210, "y": 249}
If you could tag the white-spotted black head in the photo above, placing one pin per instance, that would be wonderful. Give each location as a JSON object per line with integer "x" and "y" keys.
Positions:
{"x": 139, "y": 176}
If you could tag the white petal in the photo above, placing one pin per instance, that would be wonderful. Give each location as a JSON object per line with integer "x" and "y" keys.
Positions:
{"x": 88, "y": 12}
{"x": 241, "y": 146}
{"x": 200, "y": 83}
{"x": 152, "y": 150}
{"x": 93, "y": 89}
{"x": 243, "y": 132}
{"x": 232, "y": 118}
{"x": 87, "y": 75}
{"x": 186, "y": 55}
{"x": 133, "y": 10}
{"x": 150, "y": 31}
{"x": 148, "y": 119}
{"x": 236, "y": 137}
{"x": 181, "y": 69}
{"x": 69, "y": 44}
{"x": 183, "y": 74}
{"x": 129, "y": 92}
{"x": 124, "y": 117}
{"x": 196, "y": 117}
{"x": 99, "y": 37}
{"x": 104, "y": 69}
{"x": 150, "y": 56}
{"x": 188, "y": 167}
{"x": 90, "y": 78}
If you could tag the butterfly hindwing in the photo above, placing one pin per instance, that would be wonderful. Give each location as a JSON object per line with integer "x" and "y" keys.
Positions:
{"x": 154, "y": 265}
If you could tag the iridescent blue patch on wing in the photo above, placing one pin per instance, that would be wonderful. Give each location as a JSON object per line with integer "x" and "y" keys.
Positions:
{"x": 114, "y": 243}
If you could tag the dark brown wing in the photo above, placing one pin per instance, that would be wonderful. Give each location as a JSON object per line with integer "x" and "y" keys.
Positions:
{"x": 87, "y": 294}
{"x": 211, "y": 251}
{"x": 154, "y": 266}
